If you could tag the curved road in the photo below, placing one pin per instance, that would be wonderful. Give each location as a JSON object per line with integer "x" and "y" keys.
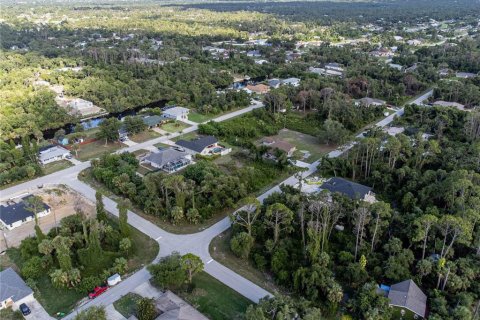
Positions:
{"x": 197, "y": 243}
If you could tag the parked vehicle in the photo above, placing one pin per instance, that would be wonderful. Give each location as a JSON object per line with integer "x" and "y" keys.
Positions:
{"x": 97, "y": 291}
{"x": 25, "y": 309}
{"x": 114, "y": 279}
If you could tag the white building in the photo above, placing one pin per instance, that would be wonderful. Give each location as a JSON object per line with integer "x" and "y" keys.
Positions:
{"x": 177, "y": 113}
{"x": 291, "y": 81}
{"x": 52, "y": 154}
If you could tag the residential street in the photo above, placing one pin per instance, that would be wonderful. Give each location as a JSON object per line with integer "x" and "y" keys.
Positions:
{"x": 197, "y": 243}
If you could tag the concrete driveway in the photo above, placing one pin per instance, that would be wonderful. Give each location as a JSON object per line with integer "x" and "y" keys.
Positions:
{"x": 37, "y": 311}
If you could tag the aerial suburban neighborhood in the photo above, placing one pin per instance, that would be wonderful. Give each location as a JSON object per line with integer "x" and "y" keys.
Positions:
{"x": 191, "y": 160}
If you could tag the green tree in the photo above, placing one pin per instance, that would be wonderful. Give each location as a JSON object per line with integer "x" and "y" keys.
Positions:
{"x": 279, "y": 218}
{"x": 146, "y": 309}
{"x": 134, "y": 125}
{"x": 35, "y": 205}
{"x": 177, "y": 214}
{"x": 123, "y": 225}
{"x": 333, "y": 132}
{"x": 191, "y": 264}
{"x": 101, "y": 212}
{"x": 241, "y": 244}
{"x": 92, "y": 313}
{"x": 247, "y": 214}
{"x": 125, "y": 245}
{"x": 32, "y": 268}
{"x": 168, "y": 272}
{"x": 109, "y": 129}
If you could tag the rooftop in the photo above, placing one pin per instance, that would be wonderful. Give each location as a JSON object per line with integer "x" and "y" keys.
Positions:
{"x": 176, "y": 111}
{"x": 407, "y": 294}
{"x": 12, "y": 286}
{"x": 351, "y": 189}
{"x": 198, "y": 144}
{"x": 17, "y": 211}
{"x": 165, "y": 156}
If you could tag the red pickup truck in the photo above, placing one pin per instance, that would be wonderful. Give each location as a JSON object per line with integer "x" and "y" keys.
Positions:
{"x": 97, "y": 291}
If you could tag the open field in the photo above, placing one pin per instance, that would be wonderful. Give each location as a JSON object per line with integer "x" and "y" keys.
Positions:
{"x": 144, "y": 136}
{"x": 215, "y": 300}
{"x": 174, "y": 126}
{"x": 305, "y": 142}
{"x": 56, "y": 166}
{"x": 96, "y": 149}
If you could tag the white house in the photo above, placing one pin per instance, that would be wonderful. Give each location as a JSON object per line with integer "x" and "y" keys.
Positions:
{"x": 53, "y": 154}
{"x": 13, "y": 290}
{"x": 177, "y": 113}
{"x": 367, "y": 102}
{"x": 14, "y": 214}
{"x": 291, "y": 81}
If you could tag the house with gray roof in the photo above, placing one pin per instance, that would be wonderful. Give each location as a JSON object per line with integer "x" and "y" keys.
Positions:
{"x": 205, "y": 145}
{"x": 153, "y": 121}
{"x": 168, "y": 160}
{"x": 353, "y": 190}
{"x": 14, "y": 214}
{"x": 408, "y": 295}
{"x": 13, "y": 290}
{"x": 55, "y": 153}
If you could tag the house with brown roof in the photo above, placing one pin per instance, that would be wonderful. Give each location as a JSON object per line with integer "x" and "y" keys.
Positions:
{"x": 278, "y": 144}
{"x": 258, "y": 88}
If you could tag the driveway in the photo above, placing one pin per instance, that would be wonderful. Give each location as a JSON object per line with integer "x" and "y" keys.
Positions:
{"x": 37, "y": 311}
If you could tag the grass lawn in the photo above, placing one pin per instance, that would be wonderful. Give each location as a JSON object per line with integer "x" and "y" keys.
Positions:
{"x": 174, "y": 126}
{"x": 186, "y": 136}
{"x": 197, "y": 117}
{"x": 144, "y": 136}
{"x": 215, "y": 300}
{"x": 127, "y": 305}
{"x": 96, "y": 149}
{"x": 161, "y": 145}
{"x": 220, "y": 250}
{"x": 56, "y": 166}
{"x": 305, "y": 142}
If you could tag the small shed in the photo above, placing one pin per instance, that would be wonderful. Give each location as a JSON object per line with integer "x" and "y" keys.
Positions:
{"x": 114, "y": 279}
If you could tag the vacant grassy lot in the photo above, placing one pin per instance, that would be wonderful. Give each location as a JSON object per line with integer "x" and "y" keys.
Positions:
{"x": 220, "y": 250}
{"x": 197, "y": 117}
{"x": 186, "y": 136}
{"x": 174, "y": 126}
{"x": 215, "y": 300}
{"x": 127, "y": 305}
{"x": 305, "y": 142}
{"x": 96, "y": 149}
{"x": 144, "y": 136}
{"x": 56, "y": 166}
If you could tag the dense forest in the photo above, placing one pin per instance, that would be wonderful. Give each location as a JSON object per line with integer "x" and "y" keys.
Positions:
{"x": 423, "y": 227}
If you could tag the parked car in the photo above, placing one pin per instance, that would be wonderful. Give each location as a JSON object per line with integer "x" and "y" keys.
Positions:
{"x": 25, "y": 309}
{"x": 97, "y": 291}
{"x": 69, "y": 156}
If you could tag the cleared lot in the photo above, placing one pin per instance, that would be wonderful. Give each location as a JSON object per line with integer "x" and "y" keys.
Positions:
{"x": 62, "y": 201}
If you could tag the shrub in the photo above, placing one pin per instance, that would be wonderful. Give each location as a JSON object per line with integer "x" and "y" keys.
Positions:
{"x": 33, "y": 268}
{"x": 146, "y": 309}
{"x": 87, "y": 284}
{"x": 260, "y": 261}
{"x": 241, "y": 244}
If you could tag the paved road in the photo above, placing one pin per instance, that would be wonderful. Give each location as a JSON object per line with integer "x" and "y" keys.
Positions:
{"x": 197, "y": 243}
